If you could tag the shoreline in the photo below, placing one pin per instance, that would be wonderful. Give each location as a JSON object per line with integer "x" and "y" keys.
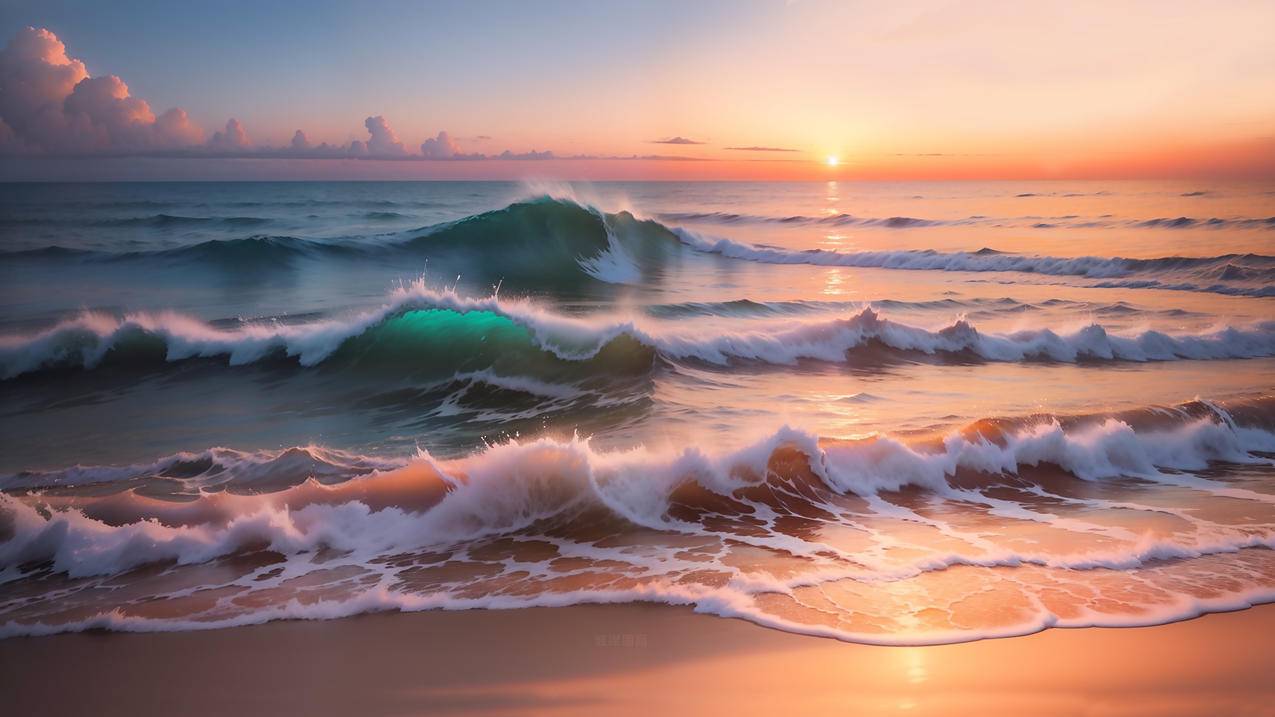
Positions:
{"x": 633, "y": 659}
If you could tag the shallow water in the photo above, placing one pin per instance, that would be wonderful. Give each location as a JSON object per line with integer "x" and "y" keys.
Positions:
{"x": 897, "y": 413}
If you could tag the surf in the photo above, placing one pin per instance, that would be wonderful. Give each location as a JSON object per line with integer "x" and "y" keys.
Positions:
{"x": 420, "y": 326}
{"x": 544, "y": 521}
{"x": 1205, "y": 274}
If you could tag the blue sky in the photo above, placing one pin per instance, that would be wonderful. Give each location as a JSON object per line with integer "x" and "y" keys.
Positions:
{"x": 914, "y": 88}
{"x": 283, "y": 65}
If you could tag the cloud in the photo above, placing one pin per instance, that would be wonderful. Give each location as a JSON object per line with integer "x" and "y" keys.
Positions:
{"x": 532, "y": 155}
{"x": 675, "y": 140}
{"x": 234, "y": 137}
{"x": 762, "y": 149}
{"x": 383, "y": 142}
{"x": 440, "y": 147}
{"x": 50, "y": 104}
{"x": 301, "y": 147}
{"x": 443, "y": 147}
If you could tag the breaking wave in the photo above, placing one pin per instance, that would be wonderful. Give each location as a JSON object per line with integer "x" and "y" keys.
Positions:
{"x": 1180, "y": 273}
{"x": 426, "y": 330}
{"x": 748, "y": 532}
{"x": 554, "y": 244}
{"x": 1039, "y": 222}
{"x": 539, "y": 244}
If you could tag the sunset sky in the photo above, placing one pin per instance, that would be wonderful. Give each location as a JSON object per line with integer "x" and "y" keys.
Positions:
{"x": 657, "y": 90}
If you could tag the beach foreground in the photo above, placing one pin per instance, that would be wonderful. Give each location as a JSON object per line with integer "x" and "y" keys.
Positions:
{"x": 637, "y": 659}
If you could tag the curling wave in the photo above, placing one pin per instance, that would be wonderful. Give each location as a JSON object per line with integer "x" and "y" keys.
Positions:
{"x": 541, "y": 244}
{"x": 755, "y": 532}
{"x": 555, "y": 244}
{"x": 422, "y": 329}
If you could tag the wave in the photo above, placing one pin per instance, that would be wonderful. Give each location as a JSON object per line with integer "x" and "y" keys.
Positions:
{"x": 993, "y": 307}
{"x": 248, "y": 252}
{"x": 1137, "y": 442}
{"x": 904, "y": 222}
{"x": 214, "y": 467}
{"x": 549, "y": 240}
{"x": 420, "y": 329}
{"x": 385, "y": 216}
{"x": 835, "y": 341}
{"x": 165, "y": 220}
{"x": 376, "y": 211}
{"x": 540, "y": 244}
{"x": 1246, "y": 267}
{"x": 798, "y": 219}
{"x": 545, "y": 522}
{"x": 560, "y": 245}
{"x": 254, "y": 251}
{"x": 510, "y": 486}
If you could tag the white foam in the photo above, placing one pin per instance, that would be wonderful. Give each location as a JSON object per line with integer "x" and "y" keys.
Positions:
{"x": 1111, "y": 270}
{"x": 87, "y": 338}
{"x": 509, "y": 486}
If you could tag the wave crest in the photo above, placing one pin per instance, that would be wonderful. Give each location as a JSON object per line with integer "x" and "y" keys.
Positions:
{"x": 422, "y": 328}
{"x": 789, "y": 530}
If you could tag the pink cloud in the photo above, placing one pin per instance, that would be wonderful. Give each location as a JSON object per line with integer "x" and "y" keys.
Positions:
{"x": 51, "y": 104}
{"x": 233, "y": 138}
{"x": 383, "y": 142}
{"x": 440, "y": 147}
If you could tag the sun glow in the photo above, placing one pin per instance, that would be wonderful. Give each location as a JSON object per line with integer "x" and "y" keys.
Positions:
{"x": 832, "y": 161}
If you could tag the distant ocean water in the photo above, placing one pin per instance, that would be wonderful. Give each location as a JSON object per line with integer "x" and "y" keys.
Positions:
{"x": 885, "y": 412}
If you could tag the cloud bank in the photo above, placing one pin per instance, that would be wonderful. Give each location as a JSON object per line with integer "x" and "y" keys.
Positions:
{"x": 51, "y": 106}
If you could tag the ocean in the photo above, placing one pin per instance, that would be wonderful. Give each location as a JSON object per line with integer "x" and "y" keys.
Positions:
{"x": 889, "y": 413}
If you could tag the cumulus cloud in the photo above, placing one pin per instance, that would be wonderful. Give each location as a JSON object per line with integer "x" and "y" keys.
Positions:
{"x": 300, "y": 146}
{"x": 232, "y": 139}
{"x": 445, "y": 147}
{"x": 675, "y": 140}
{"x": 440, "y": 147}
{"x": 175, "y": 128}
{"x": 50, "y": 104}
{"x": 383, "y": 142}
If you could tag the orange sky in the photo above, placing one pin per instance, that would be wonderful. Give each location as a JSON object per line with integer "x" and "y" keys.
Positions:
{"x": 915, "y": 89}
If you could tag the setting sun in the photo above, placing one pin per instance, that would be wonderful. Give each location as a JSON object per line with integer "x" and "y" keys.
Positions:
{"x": 535, "y": 328}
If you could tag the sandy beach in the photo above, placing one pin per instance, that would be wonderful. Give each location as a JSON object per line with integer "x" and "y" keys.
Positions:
{"x": 539, "y": 357}
{"x": 637, "y": 659}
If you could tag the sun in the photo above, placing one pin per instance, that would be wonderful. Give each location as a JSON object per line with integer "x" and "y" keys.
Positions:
{"x": 832, "y": 161}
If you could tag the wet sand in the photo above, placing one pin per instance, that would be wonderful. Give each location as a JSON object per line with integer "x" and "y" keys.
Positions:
{"x": 637, "y": 659}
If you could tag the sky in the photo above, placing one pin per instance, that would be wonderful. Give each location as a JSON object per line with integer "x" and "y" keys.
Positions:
{"x": 637, "y": 90}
